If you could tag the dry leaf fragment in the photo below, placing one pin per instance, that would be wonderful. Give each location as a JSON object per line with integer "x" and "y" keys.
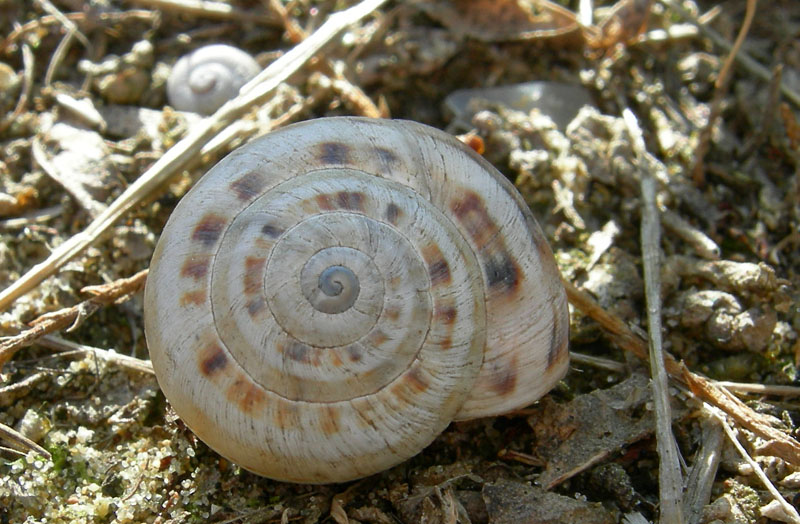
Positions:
{"x": 574, "y": 437}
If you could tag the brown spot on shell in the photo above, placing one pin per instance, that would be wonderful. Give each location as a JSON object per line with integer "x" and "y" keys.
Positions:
{"x": 501, "y": 270}
{"x": 253, "y": 268}
{"x": 329, "y": 420}
{"x": 249, "y": 397}
{"x": 504, "y": 378}
{"x": 196, "y": 298}
{"x": 196, "y": 267}
{"x": 255, "y": 306}
{"x": 559, "y": 338}
{"x": 394, "y": 282}
{"x": 296, "y": 351}
{"x": 324, "y": 202}
{"x": 333, "y": 153}
{"x": 558, "y": 350}
{"x": 542, "y": 247}
{"x": 249, "y": 186}
{"x": 271, "y": 230}
{"x": 438, "y": 269}
{"x": 285, "y": 416}
{"x": 354, "y": 353}
{"x": 392, "y": 313}
{"x": 470, "y": 211}
{"x": 393, "y": 213}
{"x": 366, "y": 413}
{"x": 387, "y": 156}
{"x": 212, "y": 360}
{"x": 377, "y": 338}
{"x": 209, "y": 229}
{"x": 446, "y": 314}
{"x": 414, "y": 379}
{"x": 350, "y": 200}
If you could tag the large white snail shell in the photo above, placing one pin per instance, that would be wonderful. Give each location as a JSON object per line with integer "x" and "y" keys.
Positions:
{"x": 329, "y": 297}
{"x": 208, "y": 77}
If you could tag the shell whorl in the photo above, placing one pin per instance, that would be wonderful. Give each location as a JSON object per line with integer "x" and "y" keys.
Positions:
{"x": 208, "y": 77}
{"x": 329, "y": 297}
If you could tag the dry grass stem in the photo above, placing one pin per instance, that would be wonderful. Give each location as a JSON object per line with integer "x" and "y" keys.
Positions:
{"x": 68, "y": 24}
{"x": 788, "y": 509}
{"x": 208, "y": 9}
{"x": 721, "y": 89}
{"x": 617, "y": 330}
{"x": 670, "y": 479}
{"x": 21, "y": 442}
{"x": 27, "y": 87}
{"x": 598, "y": 362}
{"x": 704, "y": 470}
{"x": 294, "y": 32}
{"x": 72, "y": 32}
{"x": 762, "y": 389}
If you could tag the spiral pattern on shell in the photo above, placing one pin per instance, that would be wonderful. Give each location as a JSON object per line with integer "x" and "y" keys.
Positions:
{"x": 208, "y": 77}
{"x": 329, "y": 297}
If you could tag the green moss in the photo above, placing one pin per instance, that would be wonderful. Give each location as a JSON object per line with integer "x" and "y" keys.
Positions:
{"x": 59, "y": 454}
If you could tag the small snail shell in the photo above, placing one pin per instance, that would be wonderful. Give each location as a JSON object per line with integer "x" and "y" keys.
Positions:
{"x": 208, "y": 77}
{"x": 329, "y": 297}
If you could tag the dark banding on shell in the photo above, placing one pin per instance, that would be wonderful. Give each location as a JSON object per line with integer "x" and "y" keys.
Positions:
{"x": 330, "y": 296}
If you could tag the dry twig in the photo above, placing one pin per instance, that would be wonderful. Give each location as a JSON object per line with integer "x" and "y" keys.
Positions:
{"x": 71, "y": 349}
{"x": 779, "y": 443}
{"x": 721, "y": 89}
{"x": 10, "y": 393}
{"x": 64, "y": 318}
{"x": 702, "y": 244}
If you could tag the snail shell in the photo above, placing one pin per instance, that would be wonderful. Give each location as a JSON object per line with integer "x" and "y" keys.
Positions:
{"x": 329, "y": 297}
{"x": 208, "y": 77}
